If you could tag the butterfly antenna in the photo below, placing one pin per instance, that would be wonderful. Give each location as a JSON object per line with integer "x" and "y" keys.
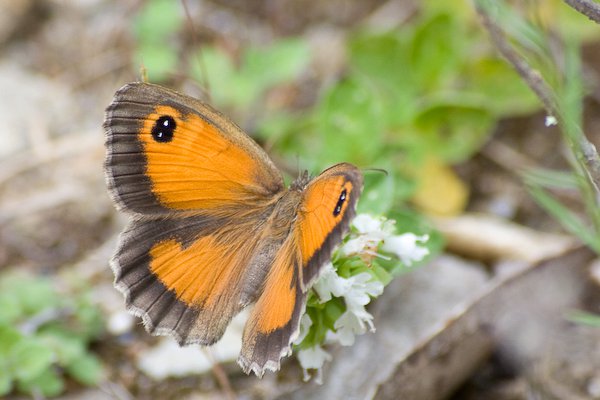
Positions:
{"x": 381, "y": 170}
{"x": 204, "y": 81}
{"x": 143, "y": 73}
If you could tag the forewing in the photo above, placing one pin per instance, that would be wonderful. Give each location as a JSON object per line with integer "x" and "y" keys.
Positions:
{"x": 325, "y": 213}
{"x": 169, "y": 153}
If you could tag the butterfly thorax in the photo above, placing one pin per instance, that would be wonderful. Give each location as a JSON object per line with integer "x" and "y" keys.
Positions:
{"x": 284, "y": 213}
{"x": 300, "y": 182}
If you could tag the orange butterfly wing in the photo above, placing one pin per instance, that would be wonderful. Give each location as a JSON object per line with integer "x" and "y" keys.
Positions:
{"x": 274, "y": 320}
{"x": 189, "y": 277}
{"x": 169, "y": 153}
{"x": 324, "y": 213}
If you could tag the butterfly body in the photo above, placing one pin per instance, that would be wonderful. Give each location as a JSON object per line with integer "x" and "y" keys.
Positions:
{"x": 213, "y": 228}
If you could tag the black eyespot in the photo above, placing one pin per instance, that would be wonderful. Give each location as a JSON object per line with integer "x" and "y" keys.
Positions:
{"x": 338, "y": 207}
{"x": 163, "y": 129}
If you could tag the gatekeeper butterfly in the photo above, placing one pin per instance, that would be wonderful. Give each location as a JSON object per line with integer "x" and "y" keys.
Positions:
{"x": 212, "y": 227}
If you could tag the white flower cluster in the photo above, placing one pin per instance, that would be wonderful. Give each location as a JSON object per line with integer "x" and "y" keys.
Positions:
{"x": 371, "y": 234}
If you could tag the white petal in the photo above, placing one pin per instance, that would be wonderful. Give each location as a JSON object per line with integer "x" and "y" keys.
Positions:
{"x": 351, "y": 323}
{"x": 354, "y": 246}
{"x": 313, "y": 358}
{"x": 365, "y": 223}
{"x": 374, "y": 288}
{"x": 363, "y": 286}
{"x": 407, "y": 247}
{"x": 330, "y": 283}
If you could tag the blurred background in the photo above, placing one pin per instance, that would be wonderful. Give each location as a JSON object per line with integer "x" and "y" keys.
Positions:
{"x": 417, "y": 88}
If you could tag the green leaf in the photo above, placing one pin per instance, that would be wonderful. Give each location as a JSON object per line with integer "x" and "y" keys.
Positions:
{"x": 317, "y": 330}
{"x": 436, "y": 51}
{"x": 33, "y": 294}
{"x": 159, "y": 61}
{"x": 220, "y": 72}
{"x": 259, "y": 70}
{"x": 10, "y": 308}
{"x": 349, "y": 123}
{"x": 66, "y": 346}
{"x": 9, "y": 337}
{"x": 48, "y": 383}
{"x": 89, "y": 319}
{"x": 381, "y": 274}
{"x": 30, "y": 358}
{"x": 453, "y": 130}
{"x": 382, "y": 60}
{"x": 283, "y": 61}
{"x": 333, "y": 310}
{"x": 154, "y": 27}
{"x": 499, "y": 88}
{"x": 6, "y": 379}
{"x": 378, "y": 193}
{"x": 156, "y": 21}
{"x": 86, "y": 369}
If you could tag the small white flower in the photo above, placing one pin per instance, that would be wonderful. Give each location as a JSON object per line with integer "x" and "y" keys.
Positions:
{"x": 365, "y": 223}
{"x": 371, "y": 232}
{"x": 313, "y": 358}
{"x": 550, "y": 120}
{"x": 380, "y": 227}
{"x": 362, "y": 288}
{"x": 305, "y": 324}
{"x": 355, "y": 245}
{"x": 407, "y": 247}
{"x": 352, "y": 323}
{"x": 330, "y": 283}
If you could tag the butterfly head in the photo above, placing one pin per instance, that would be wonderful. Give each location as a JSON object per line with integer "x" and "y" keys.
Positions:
{"x": 300, "y": 183}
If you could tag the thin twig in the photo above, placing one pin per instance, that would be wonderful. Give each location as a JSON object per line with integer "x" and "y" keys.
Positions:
{"x": 532, "y": 77}
{"x": 586, "y": 7}
{"x": 539, "y": 86}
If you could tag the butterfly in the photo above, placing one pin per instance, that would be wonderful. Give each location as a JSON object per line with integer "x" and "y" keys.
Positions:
{"x": 212, "y": 227}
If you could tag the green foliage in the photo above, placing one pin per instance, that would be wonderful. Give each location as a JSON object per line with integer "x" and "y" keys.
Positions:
{"x": 424, "y": 90}
{"x": 428, "y": 89}
{"x": 155, "y": 28}
{"x": 560, "y": 75}
{"x": 238, "y": 86}
{"x": 44, "y": 334}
